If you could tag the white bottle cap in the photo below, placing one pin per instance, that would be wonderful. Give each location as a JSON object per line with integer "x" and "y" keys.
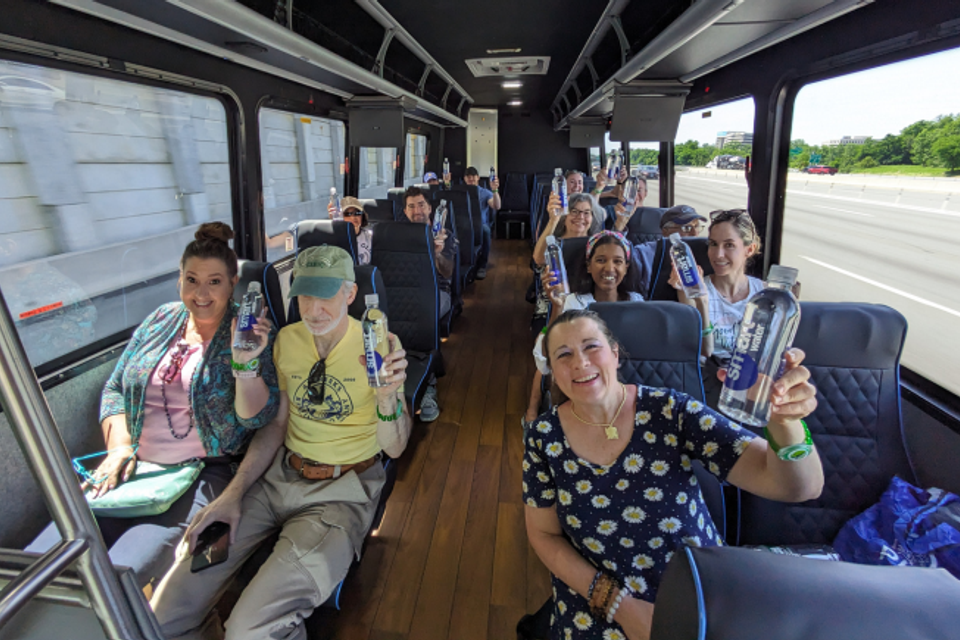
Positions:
{"x": 333, "y": 191}
{"x": 372, "y": 299}
{"x": 782, "y": 275}
{"x": 558, "y": 171}
{"x": 551, "y": 240}
{"x": 254, "y": 287}
{"x": 675, "y": 237}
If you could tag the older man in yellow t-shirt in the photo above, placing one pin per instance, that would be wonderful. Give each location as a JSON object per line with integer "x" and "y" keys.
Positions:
{"x": 320, "y": 467}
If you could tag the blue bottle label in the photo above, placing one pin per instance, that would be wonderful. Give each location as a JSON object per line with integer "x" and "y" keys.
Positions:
{"x": 246, "y": 320}
{"x": 688, "y": 273}
{"x": 742, "y": 372}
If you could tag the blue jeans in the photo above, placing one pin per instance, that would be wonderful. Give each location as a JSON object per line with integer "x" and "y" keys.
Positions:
{"x": 484, "y": 248}
{"x": 148, "y": 545}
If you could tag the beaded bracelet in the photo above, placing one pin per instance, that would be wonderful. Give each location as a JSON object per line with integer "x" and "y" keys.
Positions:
{"x": 593, "y": 585}
{"x": 599, "y": 595}
{"x": 624, "y": 591}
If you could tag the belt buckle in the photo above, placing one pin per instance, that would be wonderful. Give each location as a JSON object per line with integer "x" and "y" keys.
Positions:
{"x": 304, "y": 462}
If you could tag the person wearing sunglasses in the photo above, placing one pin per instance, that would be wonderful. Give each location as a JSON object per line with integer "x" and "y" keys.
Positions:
{"x": 180, "y": 393}
{"x": 354, "y": 213}
{"x": 314, "y": 474}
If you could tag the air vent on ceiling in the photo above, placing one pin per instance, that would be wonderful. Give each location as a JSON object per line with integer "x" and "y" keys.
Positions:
{"x": 518, "y": 65}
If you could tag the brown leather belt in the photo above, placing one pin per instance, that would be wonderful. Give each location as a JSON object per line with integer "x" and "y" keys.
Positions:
{"x": 313, "y": 470}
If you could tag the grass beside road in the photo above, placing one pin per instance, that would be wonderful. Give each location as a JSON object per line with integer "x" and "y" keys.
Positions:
{"x": 910, "y": 170}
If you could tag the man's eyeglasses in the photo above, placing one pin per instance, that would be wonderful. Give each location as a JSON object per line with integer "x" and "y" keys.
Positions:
{"x": 693, "y": 227}
{"x": 317, "y": 382}
{"x": 87, "y": 475}
{"x": 726, "y": 215}
{"x": 584, "y": 213}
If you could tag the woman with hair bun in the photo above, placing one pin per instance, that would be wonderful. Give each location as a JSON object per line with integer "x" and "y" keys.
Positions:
{"x": 178, "y": 394}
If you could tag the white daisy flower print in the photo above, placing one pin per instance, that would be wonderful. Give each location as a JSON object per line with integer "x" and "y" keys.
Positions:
{"x": 710, "y": 532}
{"x": 643, "y": 417}
{"x": 583, "y": 486}
{"x": 655, "y": 543}
{"x": 573, "y": 521}
{"x": 582, "y": 620}
{"x": 741, "y": 445}
{"x": 671, "y": 439}
{"x": 688, "y": 446}
{"x": 642, "y": 561}
{"x": 693, "y": 406}
{"x": 657, "y": 393}
{"x": 523, "y": 485}
{"x": 691, "y": 541}
{"x": 693, "y": 480}
{"x": 613, "y": 634}
{"x": 594, "y": 545}
{"x": 637, "y": 583}
{"x": 650, "y": 437}
{"x": 542, "y": 477}
{"x": 659, "y": 467}
{"x": 693, "y": 507}
{"x": 570, "y": 467}
{"x": 607, "y": 527}
{"x": 668, "y": 410}
{"x": 600, "y": 502}
{"x": 534, "y": 458}
{"x": 600, "y": 471}
{"x": 567, "y": 633}
{"x": 565, "y": 498}
{"x": 626, "y": 543}
{"x": 707, "y": 422}
{"x": 668, "y": 557}
{"x": 682, "y": 497}
{"x": 544, "y": 427}
{"x": 685, "y": 462}
{"x": 612, "y": 566}
{"x": 714, "y": 469}
{"x": 633, "y": 463}
{"x": 623, "y": 484}
{"x": 669, "y": 525}
{"x": 526, "y": 465}
{"x": 548, "y": 494}
{"x": 653, "y": 494}
{"x": 710, "y": 449}
{"x": 532, "y": 443}
{"x": 701, "y": 522}
{"x": 562, "y": 607}
{"x": 531, "y": 502}
{"x": 554, "y": 449}
{"x": 634, "y": 514}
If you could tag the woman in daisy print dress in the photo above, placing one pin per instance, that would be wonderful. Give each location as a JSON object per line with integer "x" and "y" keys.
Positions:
{"x": 608, "y": 484}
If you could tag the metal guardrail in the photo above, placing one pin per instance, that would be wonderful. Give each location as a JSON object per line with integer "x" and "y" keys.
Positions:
{"x": 46, "y": 455}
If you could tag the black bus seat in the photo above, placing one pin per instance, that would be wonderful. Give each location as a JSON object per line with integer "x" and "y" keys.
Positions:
{"x": 853, "y": 354}
{"x": 378, "y": 210}
{"x": 574, "y": 260}
{"x": 724, "y": 593}
{"x": 264, "y": 273}
{"x": 662, "y": 344}
{"x": 644, "y": 225}
{"x": 515, "y": 205}
{"x": 395, "y": 195}
{"x": 403, "y": 253}
{"x": 662, "y": 267}
{"x": 476, "y": 217}
{"x": 463, "y": 225}
{"x": 339, "y": 233}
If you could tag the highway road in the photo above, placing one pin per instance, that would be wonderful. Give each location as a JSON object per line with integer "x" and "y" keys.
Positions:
{"x": 866, "y": 244}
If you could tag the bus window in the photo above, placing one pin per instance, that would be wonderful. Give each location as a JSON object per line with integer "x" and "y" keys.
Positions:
{"x": 377, "y": 170}
{"x": 414, "y": 159}
{"x": 711, "y": 148}
{"x": 102, "y": 184}
{"x": 596, "y": 161}
{"x": 644, "y": 157}
{"x": 301, "y": 158}
{"x": 871, "y": 213}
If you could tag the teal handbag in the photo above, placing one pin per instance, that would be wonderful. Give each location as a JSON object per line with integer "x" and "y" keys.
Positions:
{"x": 150, "y": 491}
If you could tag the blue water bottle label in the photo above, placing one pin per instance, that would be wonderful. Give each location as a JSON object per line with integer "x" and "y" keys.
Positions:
{"x": 246, "y": 320}
{"x": 688, "y": 274}
{"x": 374, "y": 359}
{"x": 742, "y": 372}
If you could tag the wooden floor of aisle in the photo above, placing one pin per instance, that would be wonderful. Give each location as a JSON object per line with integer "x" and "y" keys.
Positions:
{"x": 451, "y": 558}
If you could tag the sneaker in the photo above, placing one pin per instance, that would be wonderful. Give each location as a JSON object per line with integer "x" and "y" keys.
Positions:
{"x": 481, "y": 274}
{"x": 429, "y": 410}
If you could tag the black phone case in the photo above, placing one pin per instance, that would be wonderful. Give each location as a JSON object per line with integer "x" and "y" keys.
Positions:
{"x": 206, "y": 555}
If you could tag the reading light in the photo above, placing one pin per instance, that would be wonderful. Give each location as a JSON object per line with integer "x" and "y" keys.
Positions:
{"x": 512, "y": 84}
{"x": 514, "y": 103}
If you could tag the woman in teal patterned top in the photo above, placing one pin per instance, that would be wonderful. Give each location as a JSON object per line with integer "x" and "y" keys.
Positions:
{"x": 175, "y": 396}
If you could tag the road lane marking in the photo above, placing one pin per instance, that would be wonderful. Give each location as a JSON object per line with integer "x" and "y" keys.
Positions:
{"x": 885, "y": 287}
{"x": 856, "y": 213}
{"x": 877, "y": 203}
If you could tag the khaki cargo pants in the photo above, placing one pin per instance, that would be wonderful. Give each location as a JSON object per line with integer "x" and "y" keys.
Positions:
{"x": 322, "y": 525}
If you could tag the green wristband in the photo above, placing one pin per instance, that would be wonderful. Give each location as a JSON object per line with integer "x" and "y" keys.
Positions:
{"x": 393, "y": 417}
{"x": 793, "y": 452}
{"x": 253, "y": 365}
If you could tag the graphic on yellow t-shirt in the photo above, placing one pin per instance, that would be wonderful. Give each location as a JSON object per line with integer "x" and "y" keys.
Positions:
{"x": 342, "y": 429}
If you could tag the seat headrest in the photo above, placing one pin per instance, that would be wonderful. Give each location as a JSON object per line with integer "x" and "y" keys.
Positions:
{"x": 339, "y": 233}
{"x": 369, "y": 280}
{"x": 850, "y": 335}
{"x": 663, "y": 331}
{"x": 264, "y": 273}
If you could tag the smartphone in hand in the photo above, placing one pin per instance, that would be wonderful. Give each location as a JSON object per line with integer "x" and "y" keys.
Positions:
{"x": 213, "y": 547}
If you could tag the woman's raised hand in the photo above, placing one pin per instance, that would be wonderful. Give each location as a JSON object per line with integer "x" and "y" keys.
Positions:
{"x": 261, "y": 329}
{"x": 550, "y": 281}
{"x": 553, "y": 206}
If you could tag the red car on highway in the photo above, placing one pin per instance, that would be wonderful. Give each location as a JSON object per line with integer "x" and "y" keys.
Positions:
{"x": 820, "y": 169}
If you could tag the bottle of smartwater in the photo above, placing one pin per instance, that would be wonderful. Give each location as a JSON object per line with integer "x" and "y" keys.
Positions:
{"x": 493, "y": 176}
{"x": 630, "y": 190}
{"x": 376, "y": 344}
{"x": 556, "y": 265}
{"x": 251, "y": 307}
{"x": 693, "y": 285}
{"x": 440, "y": 217}
{"x": 612, "y": 165}
{"x": 767, "y": 330}
{"x": 446, "y": 171}
{"x": 560, "y": 188}
{"x": 334, "y": 209}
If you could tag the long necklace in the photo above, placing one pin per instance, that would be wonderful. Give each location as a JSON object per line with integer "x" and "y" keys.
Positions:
{"x": 174, "y": 368}
{"x": 608, "y": 428}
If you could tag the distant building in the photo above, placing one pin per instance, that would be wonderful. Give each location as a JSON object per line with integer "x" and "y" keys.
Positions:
{"x": 735, "y": 137}
{"x": 846, "y": 140}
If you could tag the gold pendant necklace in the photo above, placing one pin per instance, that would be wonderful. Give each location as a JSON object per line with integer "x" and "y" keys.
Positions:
{"x": 609, "y": 429}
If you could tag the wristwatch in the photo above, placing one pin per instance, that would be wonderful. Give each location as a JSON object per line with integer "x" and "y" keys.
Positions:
{"x": 793, "y": 452}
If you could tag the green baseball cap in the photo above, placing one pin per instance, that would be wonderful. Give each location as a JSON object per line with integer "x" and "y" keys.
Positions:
{"x": 320, "y": 271}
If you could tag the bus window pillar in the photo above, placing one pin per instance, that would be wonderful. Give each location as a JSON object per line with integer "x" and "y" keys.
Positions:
{"x": 667, "y": 174}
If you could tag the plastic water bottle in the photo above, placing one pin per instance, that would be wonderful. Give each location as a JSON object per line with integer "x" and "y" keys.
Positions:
{"x": 446, "y": 171}
{"x": 767, "y": 330}
{"x": 493, "y": 176}
{"x": 244, "y": 339}
{"x": 555, "y": 262}
{"x": 630, "y": 190}
{"x": 612, "y": 165}
{"x": 440, "y": 218}
{"x": 560, "y": 188}
{"x": 693, "y": 285}
{"x": 334, "y": 209}
{"x": 376, "y": 344}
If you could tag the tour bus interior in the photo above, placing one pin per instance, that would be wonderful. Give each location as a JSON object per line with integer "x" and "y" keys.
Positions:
{"x": 124, "y": 124}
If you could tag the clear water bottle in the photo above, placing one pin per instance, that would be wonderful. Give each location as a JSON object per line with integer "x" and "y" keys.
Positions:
{"x": 631, "y": 189}
{"x": 612, "y": 165}
{"x": 446, "y": 171}
{"x": 693, "y": 285}
{"x": 376, "y": 342}
{"x": 493, "y": 176}
{"x": 244, "y": 339}
{"x": 334, "y": 208}
{"x": 556, "y": 265}
{"x": 440, "y": 217}
{"x": 560, "y": 188}
{"x": 767, "y": 330}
